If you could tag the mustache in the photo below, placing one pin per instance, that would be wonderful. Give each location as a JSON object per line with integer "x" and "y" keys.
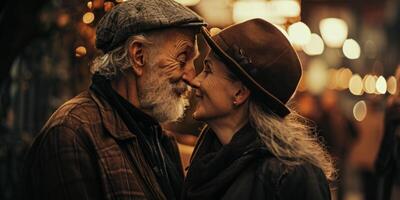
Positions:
{"x": 181, "y": 88}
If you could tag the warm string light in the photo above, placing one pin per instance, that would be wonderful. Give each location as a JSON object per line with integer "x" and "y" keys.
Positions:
{"x": 315, "y": 46}
{"x": 334, "y": 31}
{"x": 299, "y": 34}
{"x": 360, "y": 111}
{"x": 188, "y": 2}
{"x": 274, "y": 11}
{"x": 108, "y": 6}
{"x": 351, "y": 49}
{"x": 90, "y": 5}
{"x": 88, "y": 18}
{"x": 356, "y": 85}
{"x": 80, "y": 51}
{"x": 318, "y": 78}
{"x": 85, "y": 30}
{"x": 391, "y": 85}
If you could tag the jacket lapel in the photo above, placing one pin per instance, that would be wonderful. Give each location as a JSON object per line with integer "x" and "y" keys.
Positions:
{"x": 130, "y": 148}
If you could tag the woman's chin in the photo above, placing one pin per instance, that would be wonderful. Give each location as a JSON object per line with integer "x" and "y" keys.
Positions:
{"x": 197, "y": 115}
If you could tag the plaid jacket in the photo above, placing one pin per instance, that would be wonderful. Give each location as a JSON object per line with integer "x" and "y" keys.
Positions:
{"x": 85, "y": 151}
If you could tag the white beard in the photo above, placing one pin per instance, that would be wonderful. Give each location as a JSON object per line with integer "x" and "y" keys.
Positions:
{"x": 157, "y": 97}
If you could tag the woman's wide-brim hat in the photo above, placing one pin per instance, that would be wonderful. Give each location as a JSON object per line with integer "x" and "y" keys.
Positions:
{"x": 260, "y": 55}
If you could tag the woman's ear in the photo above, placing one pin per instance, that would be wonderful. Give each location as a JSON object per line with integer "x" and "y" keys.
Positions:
{"x": 136, "y": 51}
{"x": 241, "y": 96}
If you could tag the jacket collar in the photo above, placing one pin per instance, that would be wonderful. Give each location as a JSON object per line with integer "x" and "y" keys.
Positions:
{"x": 111, "y": 120}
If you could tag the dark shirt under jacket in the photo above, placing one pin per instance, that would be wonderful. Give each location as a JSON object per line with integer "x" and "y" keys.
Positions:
{"x": 245, "y": 169}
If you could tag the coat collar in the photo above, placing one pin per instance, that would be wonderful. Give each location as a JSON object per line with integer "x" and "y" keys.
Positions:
{"x": 111, "y": 120}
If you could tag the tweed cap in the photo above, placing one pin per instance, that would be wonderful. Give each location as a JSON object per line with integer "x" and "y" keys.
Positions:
{"x": 137, "y": 16}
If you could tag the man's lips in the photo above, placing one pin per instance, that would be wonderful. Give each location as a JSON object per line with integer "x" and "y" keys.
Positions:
{"x": 184, "y": 91}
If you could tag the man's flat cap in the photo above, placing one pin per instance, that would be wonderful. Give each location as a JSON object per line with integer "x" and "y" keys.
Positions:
{"x": 138, "y": 16}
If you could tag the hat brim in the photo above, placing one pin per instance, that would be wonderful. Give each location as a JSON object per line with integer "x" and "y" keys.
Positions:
{"x": 273, "y": 103}
{"x": 193, "y": 24}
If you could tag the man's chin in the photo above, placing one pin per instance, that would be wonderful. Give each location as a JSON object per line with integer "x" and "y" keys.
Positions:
{"x": 175, "y": 114}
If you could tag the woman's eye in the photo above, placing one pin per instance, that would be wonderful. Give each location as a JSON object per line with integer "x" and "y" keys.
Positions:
{"x": 207, "y": 69}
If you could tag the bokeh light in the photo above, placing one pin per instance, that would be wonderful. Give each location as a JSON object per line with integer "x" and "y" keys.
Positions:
{"x": 351, "y": 49}
{"x": 360, "y": 111}
{"x": 286, "y": 8}
{"x": 80, "y": 51}
{"x": 334, "y": 31}
{"x": 369, "y": 84}
{"x": 391, "y": 85}
{"x": 88, "y": 18}
{"x": 188, "y": 2}
{"x": 343, "y": 77}
{"x": 356, "y": 85}
{"x": 275, "y": 11}
{"x": 316, "y": 77}
{"x": 108, "y": 6}
{"x": 90, "y": 4}
{"x": 315, "y": 46}
{"x": 299, "y": 33}
{"x": 381, "y": 85}
{"x": 333, "y": 79}
{"x": 244, "y": 10}
{"x": 215, "y": 30}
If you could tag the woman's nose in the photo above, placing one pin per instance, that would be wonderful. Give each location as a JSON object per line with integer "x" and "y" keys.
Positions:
{"x": 195, "y": 82}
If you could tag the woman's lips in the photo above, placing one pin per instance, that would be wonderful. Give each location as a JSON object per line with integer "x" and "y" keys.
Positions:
{"x": 198, "y": 94}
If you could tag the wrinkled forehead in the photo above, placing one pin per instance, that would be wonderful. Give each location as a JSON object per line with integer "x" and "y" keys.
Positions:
{"x": 187, "y": 35}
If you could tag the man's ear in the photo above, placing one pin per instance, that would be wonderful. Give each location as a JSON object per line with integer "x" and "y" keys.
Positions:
{"x": 241, "y": 95}
{"x": 136, "y": 51}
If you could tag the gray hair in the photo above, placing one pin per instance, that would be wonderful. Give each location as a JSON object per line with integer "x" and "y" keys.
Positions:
{"x": 113, "y": 63}
{"x": 290, "y": 139}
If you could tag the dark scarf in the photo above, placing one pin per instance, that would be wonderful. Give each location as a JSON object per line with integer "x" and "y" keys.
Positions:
{"x": 214, "y": 167}
{"x": 153, "y": 143}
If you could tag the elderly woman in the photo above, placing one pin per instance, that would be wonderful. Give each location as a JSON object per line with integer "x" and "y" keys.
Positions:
{"x": 254, "y": 146}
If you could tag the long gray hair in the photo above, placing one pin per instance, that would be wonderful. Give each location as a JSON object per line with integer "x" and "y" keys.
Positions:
{"x": 290, "y": 139}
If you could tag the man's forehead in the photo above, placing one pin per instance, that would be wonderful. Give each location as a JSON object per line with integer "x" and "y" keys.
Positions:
{"x": 179, "y": 33}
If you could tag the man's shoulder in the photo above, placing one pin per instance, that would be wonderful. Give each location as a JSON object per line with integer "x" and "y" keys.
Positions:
{"x": 81, "y": 109}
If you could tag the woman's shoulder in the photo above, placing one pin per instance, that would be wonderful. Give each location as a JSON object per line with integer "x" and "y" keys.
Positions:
{"x": 297, "y": 180}
{"x": 275, "y": 167}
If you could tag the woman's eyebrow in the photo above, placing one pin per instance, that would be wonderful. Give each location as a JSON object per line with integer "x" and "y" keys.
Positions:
{"x": 207, "y": 61}
{"x": 196, "y": 55}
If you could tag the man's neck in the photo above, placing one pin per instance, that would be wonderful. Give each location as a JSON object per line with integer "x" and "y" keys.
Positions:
{"x": 126, "y": 86}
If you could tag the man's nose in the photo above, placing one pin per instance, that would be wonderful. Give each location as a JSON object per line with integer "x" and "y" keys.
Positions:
{"x": 189, "y": 74}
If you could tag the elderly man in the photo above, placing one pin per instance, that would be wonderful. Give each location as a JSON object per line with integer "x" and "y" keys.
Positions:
{"x": 106, "y": 143}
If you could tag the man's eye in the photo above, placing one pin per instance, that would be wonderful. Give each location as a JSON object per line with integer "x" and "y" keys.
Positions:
{"x": 182, "y": 57}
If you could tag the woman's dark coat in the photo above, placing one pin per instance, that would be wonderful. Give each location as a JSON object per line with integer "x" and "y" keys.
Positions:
{"x": 245, "y": 169}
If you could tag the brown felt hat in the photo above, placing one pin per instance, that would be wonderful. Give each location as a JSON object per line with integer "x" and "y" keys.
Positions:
{"x": 262, "y": 58}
